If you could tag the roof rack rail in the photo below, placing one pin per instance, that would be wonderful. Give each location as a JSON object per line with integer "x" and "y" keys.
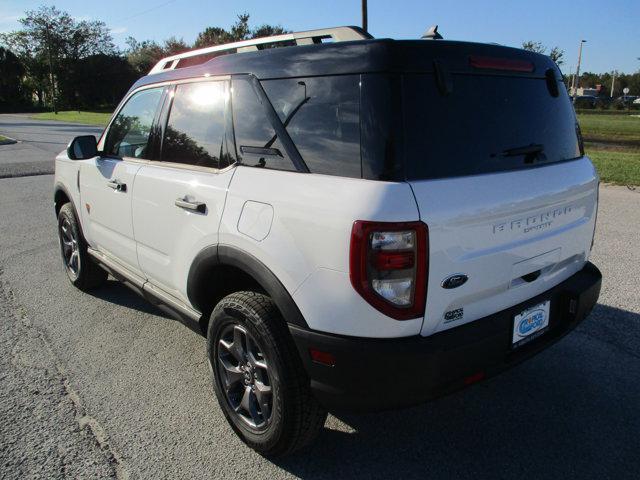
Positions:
{"x": 336, "y": 34}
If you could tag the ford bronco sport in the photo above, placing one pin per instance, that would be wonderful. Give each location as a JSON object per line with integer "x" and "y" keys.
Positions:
{"x": 356, "y": 224}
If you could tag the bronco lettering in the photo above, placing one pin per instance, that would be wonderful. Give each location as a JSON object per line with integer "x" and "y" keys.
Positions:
{"x": 534, "y": 222}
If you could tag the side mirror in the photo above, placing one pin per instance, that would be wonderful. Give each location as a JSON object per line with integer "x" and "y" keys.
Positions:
{"x": 83, "y": 147}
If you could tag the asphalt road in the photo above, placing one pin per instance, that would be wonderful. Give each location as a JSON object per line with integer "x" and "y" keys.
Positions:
{"x": 104, "y": 385}
{"x": 38, "y": 143}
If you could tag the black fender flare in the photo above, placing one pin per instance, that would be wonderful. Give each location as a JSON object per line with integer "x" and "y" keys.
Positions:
{"x": 217, "y": 255}
{"x": 59, "y": 187}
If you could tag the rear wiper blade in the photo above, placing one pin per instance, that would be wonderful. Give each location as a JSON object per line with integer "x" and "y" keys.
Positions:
{"x": 526, "y": 150}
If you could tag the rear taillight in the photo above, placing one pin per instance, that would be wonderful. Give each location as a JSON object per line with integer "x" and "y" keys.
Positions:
{"x": 389, "y": 265}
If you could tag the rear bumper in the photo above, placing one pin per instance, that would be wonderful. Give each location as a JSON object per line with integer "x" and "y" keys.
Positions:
{"x": 376, "y": 374}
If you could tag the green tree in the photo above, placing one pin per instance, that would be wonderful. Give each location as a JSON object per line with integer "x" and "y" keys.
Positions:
{"x": 212, "y": 36}
{"x": 173, "y": 46}
{"x": 51, "y": 43}
{"x": 532, "y": 46}
{"x": 556, "y": 54}
{"x": 239, "y": 31}
{"x": 11, "y": 74}
{"x": 143, "y": 55}
{"x": 267, "y": 31}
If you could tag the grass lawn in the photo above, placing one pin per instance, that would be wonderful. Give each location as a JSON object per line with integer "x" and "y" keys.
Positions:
{"x": 622, "y": 129}
{"x": 3, "y": 139}
{"x": 92, "y": 118}
{"x": 621, "y": 167}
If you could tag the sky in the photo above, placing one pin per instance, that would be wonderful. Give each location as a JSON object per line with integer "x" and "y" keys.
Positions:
{"x": 611, "y": 27}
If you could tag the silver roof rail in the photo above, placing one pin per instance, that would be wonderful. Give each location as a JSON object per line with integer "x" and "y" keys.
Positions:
{"x": 337, "y": 34}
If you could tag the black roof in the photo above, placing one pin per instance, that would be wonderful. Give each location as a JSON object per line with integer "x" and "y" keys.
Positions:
{"x": 360, "y": 56}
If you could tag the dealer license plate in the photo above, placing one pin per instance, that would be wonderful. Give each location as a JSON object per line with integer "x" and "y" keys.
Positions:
{"x": 530, "y": 323}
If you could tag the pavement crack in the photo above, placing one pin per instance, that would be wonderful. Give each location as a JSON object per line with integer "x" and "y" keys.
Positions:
{"x": 85, "y": 421}
{"x": 90, "y": 424}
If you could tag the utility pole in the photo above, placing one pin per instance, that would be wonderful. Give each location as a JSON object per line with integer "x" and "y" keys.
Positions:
{"x": 570, "y": 80}
{"x": 613, "y": 82}
{"x": 365, "y": 22}
{"x": 577, "y": 77}
{"x": 51, "y": 77}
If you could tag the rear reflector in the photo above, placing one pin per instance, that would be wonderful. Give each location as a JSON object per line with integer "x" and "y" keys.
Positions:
{"x": 475, "y": 378}
{"x": 393, "y": 260}
{"x": 492, "y": 63}
{"x": 325, "y": 358}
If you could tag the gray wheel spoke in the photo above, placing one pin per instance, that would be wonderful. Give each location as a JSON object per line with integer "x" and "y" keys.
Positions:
{"x": 233, "y": 375}
{"x": 73, "y": 260}
{"x": 263, "y": 396}
{"x": 67, "y": 247}
{"x": 239, "y": 347}
{"x": 228, "y": 346}
{"x": 259, "y": 363}
{"x": 66, "y": 232}
{"x": 245, "y": 403}
{"x": 253, "y": 409}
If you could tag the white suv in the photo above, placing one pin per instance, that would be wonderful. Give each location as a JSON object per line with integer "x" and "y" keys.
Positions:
{"x": 359, "y": 224}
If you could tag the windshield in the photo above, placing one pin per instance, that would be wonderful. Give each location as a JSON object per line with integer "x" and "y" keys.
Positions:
{"x": 487, "y": 123}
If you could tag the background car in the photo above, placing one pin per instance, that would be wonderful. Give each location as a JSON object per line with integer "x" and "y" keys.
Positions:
{"x": 585, "y": 101}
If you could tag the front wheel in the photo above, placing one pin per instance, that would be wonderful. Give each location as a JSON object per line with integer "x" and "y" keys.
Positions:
{"x": 258, "y": 377}
{"x": 81, "y": 270}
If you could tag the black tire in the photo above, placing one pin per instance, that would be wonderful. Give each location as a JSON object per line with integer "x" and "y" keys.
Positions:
{"x": 80, "y": 268}
{"x": 294, "y": 418}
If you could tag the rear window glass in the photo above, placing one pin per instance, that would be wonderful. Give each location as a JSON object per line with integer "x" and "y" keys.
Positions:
{"x": 486, "y": 124}
{"x": 321, "y": 115}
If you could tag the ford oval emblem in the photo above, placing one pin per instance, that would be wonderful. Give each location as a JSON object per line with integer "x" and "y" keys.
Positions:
{"x": 454, "y": 281}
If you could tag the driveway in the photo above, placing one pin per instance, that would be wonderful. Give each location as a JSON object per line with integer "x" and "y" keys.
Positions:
{"x": 39, "y": 141}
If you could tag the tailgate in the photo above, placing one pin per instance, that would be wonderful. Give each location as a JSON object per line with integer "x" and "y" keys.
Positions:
{"x": 513, "y": 234}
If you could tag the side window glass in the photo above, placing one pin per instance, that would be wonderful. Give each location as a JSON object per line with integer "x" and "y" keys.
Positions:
{"x": 128, "y": 135}
{"x": 322, "y": 117}
{"x": 257, "y": 143}
{"x": 195, "y": 131}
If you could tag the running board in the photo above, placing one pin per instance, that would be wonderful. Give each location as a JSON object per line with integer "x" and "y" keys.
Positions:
{"x": 155, "y": 295}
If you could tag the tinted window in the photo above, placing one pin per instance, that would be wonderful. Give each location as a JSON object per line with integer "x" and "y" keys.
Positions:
{"x": 257, "y": 143}
{"x": 321, "y": 115}
{"x": 486, "y": 124}
{"x": 129, "y": 132}
{"x": 195, "y": 131}
{"x": 381, "y": 127}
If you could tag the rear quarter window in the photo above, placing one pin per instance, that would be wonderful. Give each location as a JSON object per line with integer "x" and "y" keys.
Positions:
{"x": 322, "y": 117}
{"x": 257, "y": 141}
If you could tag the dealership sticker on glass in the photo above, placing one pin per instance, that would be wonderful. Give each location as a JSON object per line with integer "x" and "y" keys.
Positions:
{"x": 530, "y": 324}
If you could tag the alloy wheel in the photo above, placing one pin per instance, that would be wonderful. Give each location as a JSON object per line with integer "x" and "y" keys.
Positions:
{"x": 70, "y": 248}
{"x": 244, "y": 374}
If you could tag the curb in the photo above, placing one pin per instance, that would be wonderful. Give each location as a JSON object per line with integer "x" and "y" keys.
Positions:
{"x": 8, "y": 141}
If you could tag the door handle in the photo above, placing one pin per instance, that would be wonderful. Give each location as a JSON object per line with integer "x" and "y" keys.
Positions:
{"x": 193, "y": 206}
{"x": 117, "y": 186}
